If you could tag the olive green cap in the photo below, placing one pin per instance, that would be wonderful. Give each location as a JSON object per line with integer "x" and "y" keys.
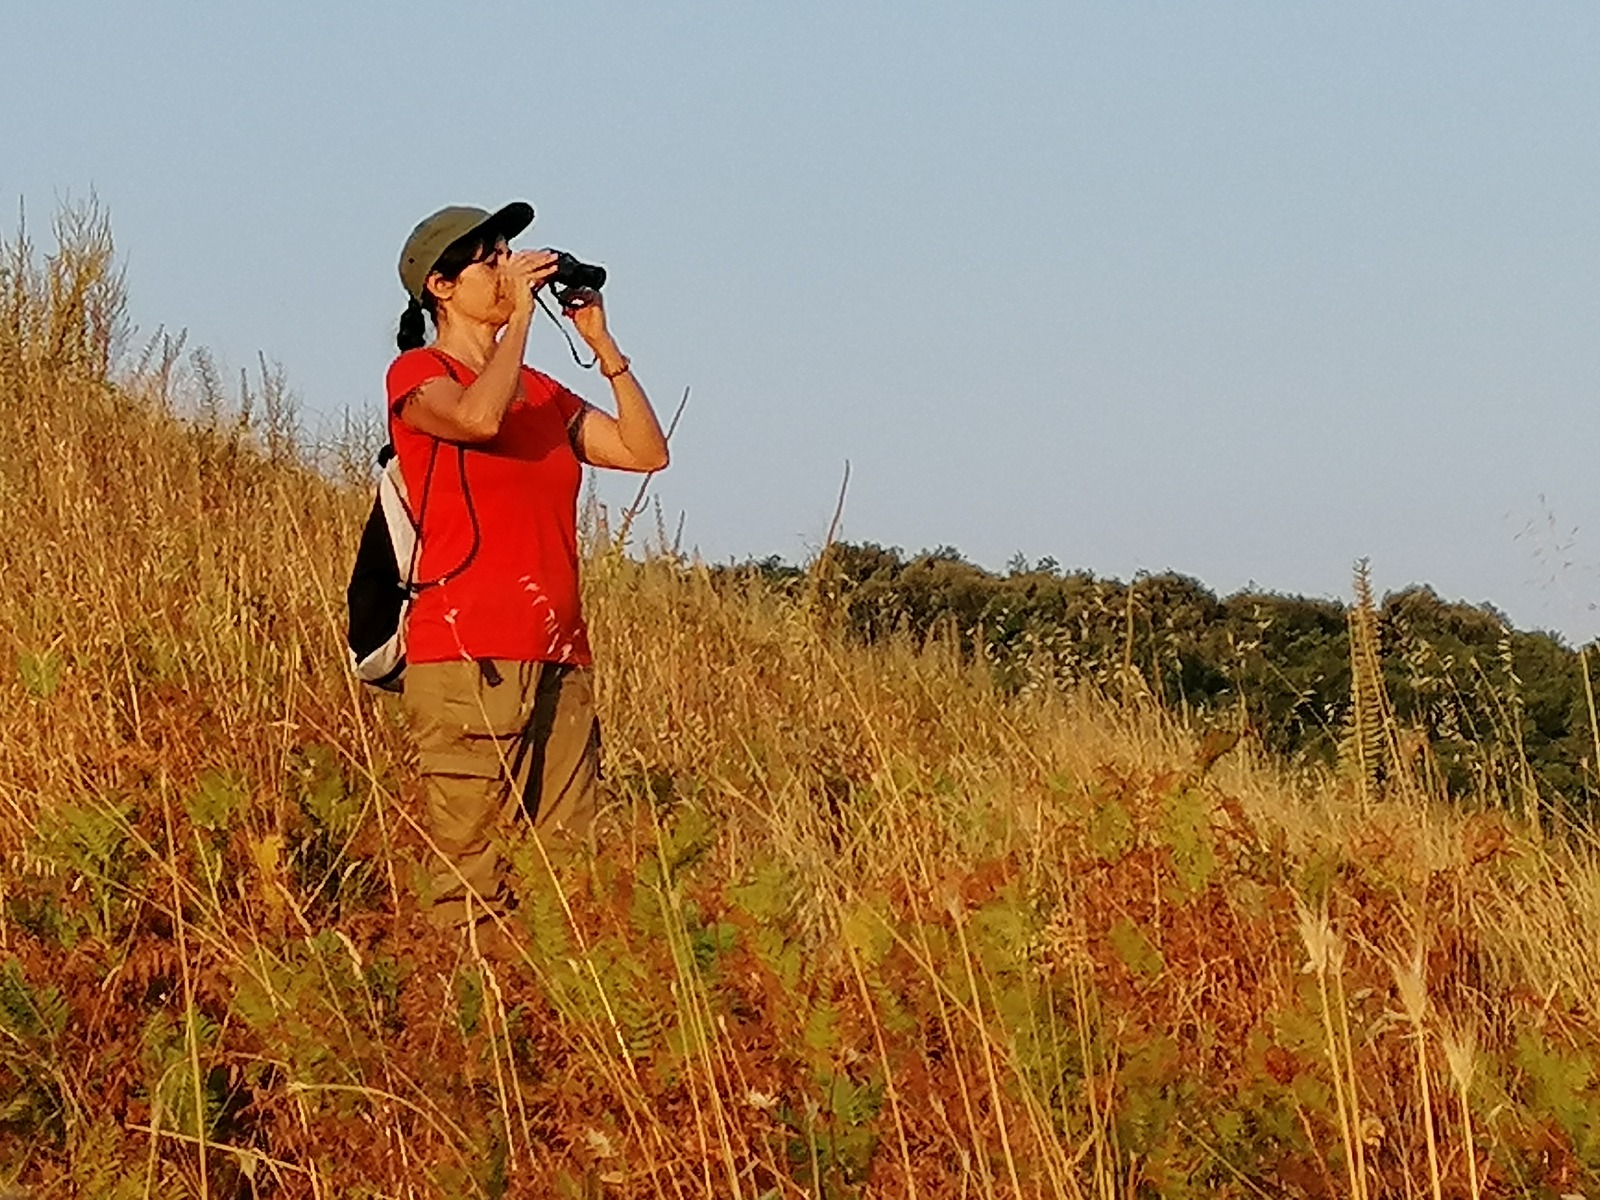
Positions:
{"x": 433, "y": 236}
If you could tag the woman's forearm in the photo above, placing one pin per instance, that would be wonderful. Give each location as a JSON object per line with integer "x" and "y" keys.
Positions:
{"x": 637, "y": 425}
{"x": 486, "y": 400}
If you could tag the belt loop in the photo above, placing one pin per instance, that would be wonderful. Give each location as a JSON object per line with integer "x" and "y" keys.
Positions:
{"x": 490, "y": 672}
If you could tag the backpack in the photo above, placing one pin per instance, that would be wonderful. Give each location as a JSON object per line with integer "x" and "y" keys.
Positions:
{"x": 383, "y": 581}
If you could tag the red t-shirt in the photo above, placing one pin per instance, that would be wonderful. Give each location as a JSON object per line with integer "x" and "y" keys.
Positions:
{"x": 517, "y": 595}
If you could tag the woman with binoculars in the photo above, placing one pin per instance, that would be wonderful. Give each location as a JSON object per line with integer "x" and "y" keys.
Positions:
{"x": 498, "y": 690}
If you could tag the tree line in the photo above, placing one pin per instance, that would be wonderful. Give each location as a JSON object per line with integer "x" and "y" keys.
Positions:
{"x": 1494, "y": 708}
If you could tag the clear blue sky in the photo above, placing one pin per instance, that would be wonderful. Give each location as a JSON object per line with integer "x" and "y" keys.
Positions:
{"x": 1243, "y": 290}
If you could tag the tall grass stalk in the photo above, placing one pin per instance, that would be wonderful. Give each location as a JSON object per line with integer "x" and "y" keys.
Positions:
{"x": 1413, "y": 989}
{"x": 1460, "y": 1052}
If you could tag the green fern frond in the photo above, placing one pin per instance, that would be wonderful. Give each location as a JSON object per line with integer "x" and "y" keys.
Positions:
{"x": 31, "y": 1015}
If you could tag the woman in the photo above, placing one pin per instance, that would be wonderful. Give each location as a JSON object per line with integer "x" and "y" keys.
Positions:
{"x": 498, "y": 691}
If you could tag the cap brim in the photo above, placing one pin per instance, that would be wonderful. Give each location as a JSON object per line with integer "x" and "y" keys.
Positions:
{"x": 510, "y": 220}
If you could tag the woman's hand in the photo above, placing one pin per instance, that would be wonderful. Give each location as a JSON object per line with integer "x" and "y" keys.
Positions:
{"x": 587, "y": 312}
{"x": 521, "y": 274}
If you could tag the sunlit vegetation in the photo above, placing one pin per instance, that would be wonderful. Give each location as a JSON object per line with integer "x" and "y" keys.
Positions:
{"x": 879, "y": 906}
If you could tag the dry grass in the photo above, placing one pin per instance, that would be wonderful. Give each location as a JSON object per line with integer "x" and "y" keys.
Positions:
{"x": 858, "y": 925}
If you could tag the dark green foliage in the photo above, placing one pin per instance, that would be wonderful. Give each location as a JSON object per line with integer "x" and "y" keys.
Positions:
{"x": 1560, "y": 1083}
{"x": 32, "y": 1019}
{"x": 91, "y": 898}
{"x": 325, "y": 860}
{"x": 832, "y": 1135}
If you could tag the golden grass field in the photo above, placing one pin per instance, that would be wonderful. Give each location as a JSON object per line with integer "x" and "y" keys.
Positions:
{"x": 858, "y": 924}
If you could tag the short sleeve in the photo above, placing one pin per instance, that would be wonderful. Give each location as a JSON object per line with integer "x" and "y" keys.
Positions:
{"x": 568, "y": 403}
{"x": 409, "y": 372}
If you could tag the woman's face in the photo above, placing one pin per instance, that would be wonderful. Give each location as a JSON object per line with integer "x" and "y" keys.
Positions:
{"x": 478, "y": 294}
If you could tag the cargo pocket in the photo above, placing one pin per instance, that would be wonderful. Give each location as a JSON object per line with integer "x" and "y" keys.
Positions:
{"x": 462, "y": 725}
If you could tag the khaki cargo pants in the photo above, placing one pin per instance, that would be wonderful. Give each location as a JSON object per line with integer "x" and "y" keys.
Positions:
{"x": 496, "y": 739}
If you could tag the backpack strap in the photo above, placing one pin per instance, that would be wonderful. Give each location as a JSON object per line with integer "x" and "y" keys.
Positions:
{"x": 427, "y": 484}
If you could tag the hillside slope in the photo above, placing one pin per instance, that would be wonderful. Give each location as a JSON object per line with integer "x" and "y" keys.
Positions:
{"x": 858, "y": 923}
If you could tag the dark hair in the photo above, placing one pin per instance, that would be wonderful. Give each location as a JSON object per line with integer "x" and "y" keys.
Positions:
{"x": 456, "y": 258}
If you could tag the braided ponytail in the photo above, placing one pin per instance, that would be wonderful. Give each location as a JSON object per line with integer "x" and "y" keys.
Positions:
{"x": 413, "y": 333}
